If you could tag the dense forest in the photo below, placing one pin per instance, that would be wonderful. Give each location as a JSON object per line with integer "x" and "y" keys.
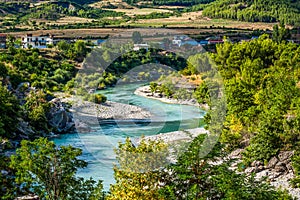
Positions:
{"x": 286, "y": 11}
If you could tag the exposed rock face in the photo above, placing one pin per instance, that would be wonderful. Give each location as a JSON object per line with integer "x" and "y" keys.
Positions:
{"x": 285, "y": 155}
{"x": 278, "y": 171}
{"x": 272, "y": 162}
{"x": 24, "y": 129}
{"x": 60, "y": 118}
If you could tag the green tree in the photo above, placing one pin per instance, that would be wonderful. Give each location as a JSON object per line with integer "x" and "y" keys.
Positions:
{"x": 137, "y": 37}
{"x": 3, "y": 70}
{"x": 9, "y": 108}
{"x": 50, "y": 171}
{"x": 138, "y": 172}
{"x": 280, "y": 33}
{"x": 36, "y": 108}
{"x": 199, "y": 178}
{"x": 153, "y": 87}
{"x": 63, "y": 45}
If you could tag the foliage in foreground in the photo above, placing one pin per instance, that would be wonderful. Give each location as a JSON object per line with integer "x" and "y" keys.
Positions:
{"x": 195, "y": 177}
{"x": 138, "y": 174}
{"x": 192, "y": 177}
{"x": 50, "y": 171}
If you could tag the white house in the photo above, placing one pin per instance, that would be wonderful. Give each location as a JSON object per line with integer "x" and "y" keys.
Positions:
{"x": 137, "y": 47}
{"x": 177, "y": 42}
{"x": 39, "y": 42}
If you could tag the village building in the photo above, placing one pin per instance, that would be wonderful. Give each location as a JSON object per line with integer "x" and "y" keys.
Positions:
{"x": 39, "y": 42}
{"x": 137, "y": 47}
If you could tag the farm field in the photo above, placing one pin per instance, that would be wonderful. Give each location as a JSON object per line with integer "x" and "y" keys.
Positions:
{"x": 196, "y": 20}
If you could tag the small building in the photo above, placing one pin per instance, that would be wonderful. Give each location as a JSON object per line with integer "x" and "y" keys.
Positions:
{"x": 177, "y": 42}
{"x": 3, "y": 38}
{"x": 180, "y": 40}
{"x": 137, "y": 47}
{"x": 39, "y": 42}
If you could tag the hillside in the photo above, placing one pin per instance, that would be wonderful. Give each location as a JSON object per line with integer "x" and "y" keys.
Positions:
{"x": 173, "y": 2}
{"x": 286, "y": 11}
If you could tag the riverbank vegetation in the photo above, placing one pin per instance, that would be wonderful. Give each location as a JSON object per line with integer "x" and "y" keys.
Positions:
{"x": 261, "y": 83}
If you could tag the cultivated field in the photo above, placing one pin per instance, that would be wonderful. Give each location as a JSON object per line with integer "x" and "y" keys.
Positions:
{"x": 124, "y": 33}
{"x": 140, "y": 11}
{"x": 195, "y": 19}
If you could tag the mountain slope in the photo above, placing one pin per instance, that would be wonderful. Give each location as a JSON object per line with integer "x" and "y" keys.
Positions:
{"x": 286, "y": 11}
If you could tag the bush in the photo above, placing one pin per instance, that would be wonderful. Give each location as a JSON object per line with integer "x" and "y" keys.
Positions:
{"x": 100, "y": 98}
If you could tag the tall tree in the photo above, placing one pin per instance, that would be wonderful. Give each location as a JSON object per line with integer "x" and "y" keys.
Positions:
{"x": 50, "y": 171}
{"x": 138, "y": 174}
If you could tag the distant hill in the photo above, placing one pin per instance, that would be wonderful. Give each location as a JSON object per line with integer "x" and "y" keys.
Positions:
{"x": 287, "y": 11}
{"x": 52, "y": 10}
{"x": 172, "y": 2}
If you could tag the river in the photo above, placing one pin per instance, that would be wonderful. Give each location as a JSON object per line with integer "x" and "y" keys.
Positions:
{"x": 98, "y": 146}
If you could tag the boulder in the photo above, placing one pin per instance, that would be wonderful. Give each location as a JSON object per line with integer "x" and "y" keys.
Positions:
{"x": 289, "y": 166}
{"x": 262, "y": 174}
{"x": 59, "y": 117}
{"x": 274, "y": 175}
{"x": 259, "y": 168}
{"x": 256, "y": 163}
{"x": 280, "y": 167}
{"x": 24, "y": 129}
{"x": 272, "y": 162}
{"x": 285, "y": 155}
{"x": 250, "y": 170}
{"x": 236, "y": 153}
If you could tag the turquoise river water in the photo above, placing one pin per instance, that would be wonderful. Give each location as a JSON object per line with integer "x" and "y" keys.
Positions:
{"x": 98, "y": 146}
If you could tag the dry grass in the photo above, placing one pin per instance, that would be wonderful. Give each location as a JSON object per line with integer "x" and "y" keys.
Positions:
{"x": 116, "y": 32}
{"x": 71, "y": 20}
{"x": 194, "y": 79}
{"x": 138, "y": 11}
{"x": 170, "y": 7}
{"x": 72, "y": 33}
{"x": 195, "y": 19}
{"x": 117, "y": 3}
{"x": 127, "y": 9}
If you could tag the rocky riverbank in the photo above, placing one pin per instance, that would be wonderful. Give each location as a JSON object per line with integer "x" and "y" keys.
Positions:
{"x": 176, "y": 136}
{"x": 278, "y": 171}
{"x": 87, "y": 113}
{"x": 145, "y": 91}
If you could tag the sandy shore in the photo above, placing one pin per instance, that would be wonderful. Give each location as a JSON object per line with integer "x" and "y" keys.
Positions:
{"x": 145, "y": 91}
